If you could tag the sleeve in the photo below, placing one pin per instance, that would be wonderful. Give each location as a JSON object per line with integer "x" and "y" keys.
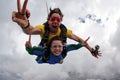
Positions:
{"x": 42, "y": 29}
{"x": 35, "y": 51}
{"x": 71, "y": 47}
{"x": 69, "y": 32}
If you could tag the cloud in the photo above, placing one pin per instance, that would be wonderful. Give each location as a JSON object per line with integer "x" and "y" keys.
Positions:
{"x": 16, "y": 64}
{"x": 114, "y": 38}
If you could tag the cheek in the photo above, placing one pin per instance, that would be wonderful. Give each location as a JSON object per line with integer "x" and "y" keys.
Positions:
{"x": 54, "y": 50}
{"x": 49, "y": 22}
{"x": 61, "y": 49}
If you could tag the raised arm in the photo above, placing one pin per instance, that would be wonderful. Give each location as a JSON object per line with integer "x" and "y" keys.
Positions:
{"x": 85, "y": 44}
{"x": 22, "y": 20}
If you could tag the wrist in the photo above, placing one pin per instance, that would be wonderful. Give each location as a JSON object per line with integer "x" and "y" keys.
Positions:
{"x": 27, "y": 26}
{"x": 92, "y": 51}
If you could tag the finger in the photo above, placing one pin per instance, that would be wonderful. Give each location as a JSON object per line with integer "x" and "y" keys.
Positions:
{"x": 18, "y": 6}
{"x": 29, "y": 38}
{"x": 95, "y": 55}
{"x": 87, "y": 39}
{"x": 13, "y": 15}
{"x": 100, "y": 54}
{"x": 26, "y": 44}
{"x": 17, "y": 20}
{"x": 24, "y": 7}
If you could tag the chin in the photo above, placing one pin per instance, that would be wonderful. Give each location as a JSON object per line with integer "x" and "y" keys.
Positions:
{"x": 57, "y": 54}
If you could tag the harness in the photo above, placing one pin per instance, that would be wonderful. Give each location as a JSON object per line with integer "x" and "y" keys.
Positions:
{"x": 44, "y": 42}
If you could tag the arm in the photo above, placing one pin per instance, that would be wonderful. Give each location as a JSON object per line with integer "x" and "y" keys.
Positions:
{"x": 21, "y": 19}
{"x": 34, "y": 50}
{"x": 85, "y": 44}
{"x": 71, "y": 47}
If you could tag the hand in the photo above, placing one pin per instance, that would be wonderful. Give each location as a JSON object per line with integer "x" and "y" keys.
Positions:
{"x": 28, "y": 44}
{"x": 20, "y": 16}
{"x": 95, "y": 52}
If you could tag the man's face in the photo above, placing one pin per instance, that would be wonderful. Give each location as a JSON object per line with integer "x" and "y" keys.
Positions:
{"x": 54, "y": 21}
{"x": 56, "y": 47}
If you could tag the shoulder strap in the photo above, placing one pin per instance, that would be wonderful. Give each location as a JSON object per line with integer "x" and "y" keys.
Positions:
{"x": 44, "y": 41}
{"x": 45, "y": 35}
{"x": 63, "y": 35}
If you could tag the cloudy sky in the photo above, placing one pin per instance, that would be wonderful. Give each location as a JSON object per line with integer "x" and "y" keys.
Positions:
{"x": 16, "y": 64}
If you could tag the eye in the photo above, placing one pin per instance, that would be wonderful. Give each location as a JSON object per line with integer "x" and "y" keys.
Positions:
{"x": 60, "y": 46}
{"x": 55, "y": 46}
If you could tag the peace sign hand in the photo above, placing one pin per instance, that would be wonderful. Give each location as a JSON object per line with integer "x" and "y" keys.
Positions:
{"x": 20, "y": 16}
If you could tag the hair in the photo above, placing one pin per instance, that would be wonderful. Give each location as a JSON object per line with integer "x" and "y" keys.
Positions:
{"x": 55, "y": 38}
{"x": 55, "y": 10}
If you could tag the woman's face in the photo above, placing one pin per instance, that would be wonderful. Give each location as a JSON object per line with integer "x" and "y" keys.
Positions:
{"x": 56, "y": 47}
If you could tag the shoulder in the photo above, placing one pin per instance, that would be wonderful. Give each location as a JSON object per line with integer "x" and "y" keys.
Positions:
{"x": 41, "y": 27}
{"x": 69, "y": 32}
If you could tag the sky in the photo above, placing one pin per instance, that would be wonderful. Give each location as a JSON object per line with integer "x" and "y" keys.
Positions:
{"x": 17, "y": 64}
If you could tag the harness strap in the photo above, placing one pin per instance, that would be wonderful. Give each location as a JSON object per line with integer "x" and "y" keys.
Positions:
{"x": 64, "y": 38}
{"x": 44, "y": 41}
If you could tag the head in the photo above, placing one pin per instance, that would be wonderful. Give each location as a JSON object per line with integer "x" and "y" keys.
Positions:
{"x": 56, "y": 45}
{"x": 54, "y": 18}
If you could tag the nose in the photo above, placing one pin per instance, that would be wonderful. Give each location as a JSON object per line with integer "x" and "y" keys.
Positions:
{"x": 57, "y": 48}
{"x": 56, "y": 21}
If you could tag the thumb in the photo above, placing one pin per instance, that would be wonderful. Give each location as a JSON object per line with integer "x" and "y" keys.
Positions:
{"x": 87, "y": 39}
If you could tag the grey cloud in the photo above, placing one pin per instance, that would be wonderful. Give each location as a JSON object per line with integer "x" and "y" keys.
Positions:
{"x": 115, "y": 40}
{"x": 6, "y": 75}
{"x": 6, "y": 10}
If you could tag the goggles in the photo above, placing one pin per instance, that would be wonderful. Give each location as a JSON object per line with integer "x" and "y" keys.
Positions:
{"x": 55, "y": 19}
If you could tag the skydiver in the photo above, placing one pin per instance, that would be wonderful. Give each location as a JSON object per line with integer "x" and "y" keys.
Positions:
{"x": 56, "y": 48}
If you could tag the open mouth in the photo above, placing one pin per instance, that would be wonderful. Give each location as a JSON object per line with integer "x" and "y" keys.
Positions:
{"x": 55, "y": 25}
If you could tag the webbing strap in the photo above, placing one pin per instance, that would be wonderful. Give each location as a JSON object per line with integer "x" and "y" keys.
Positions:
{"x": 45, "y": 37}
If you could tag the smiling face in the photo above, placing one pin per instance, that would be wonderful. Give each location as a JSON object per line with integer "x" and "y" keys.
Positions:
{"x": 56, "y": 47}
{"x": 54, "y": 21}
